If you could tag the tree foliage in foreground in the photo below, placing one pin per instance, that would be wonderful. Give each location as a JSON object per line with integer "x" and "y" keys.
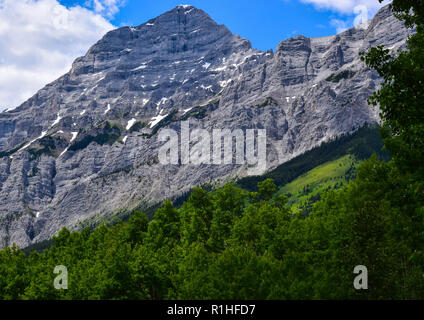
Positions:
{"x": 234, "y": 244}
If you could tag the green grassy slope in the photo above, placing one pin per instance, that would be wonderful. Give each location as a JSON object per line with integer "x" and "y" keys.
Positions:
{"x": 307, "y": 189}
{"x": 362, "y": 144}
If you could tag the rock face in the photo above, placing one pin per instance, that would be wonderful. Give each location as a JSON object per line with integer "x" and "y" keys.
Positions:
{"x": 86, "y": 145}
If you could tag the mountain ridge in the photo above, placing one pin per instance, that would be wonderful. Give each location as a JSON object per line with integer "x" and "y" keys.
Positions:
{"x": 86, "y": 144}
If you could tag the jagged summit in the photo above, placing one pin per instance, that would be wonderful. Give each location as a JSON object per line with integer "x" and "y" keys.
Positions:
{"x": 182, "y": 16}
{"x": 185, "y": 6}
{"x": 181, "y": 30}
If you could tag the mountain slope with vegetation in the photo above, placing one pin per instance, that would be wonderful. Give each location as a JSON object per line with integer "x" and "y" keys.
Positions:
{"x": 234, "y": 244}
{"x": 309, "y": 187}
{"x": 362, "y": 144}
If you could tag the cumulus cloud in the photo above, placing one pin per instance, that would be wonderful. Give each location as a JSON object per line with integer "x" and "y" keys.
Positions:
{"x": 346, "y": 6}
{"x": 39, "y": 39}
{"x": 362, "y": 9}
{"x": 106, "y": 8}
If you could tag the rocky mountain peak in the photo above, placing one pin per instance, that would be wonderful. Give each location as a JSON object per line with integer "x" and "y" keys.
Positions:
{"x": 184, "y": 18}
{"x": 182, "y": 25}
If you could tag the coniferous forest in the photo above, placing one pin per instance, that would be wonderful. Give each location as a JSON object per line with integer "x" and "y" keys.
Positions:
{"x": 234, "y": 243}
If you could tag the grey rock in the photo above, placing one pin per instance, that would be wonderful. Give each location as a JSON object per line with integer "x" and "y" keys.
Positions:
{"x": 66, "y": 154}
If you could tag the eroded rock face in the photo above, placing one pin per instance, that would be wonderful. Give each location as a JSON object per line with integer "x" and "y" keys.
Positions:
{"x": 86, "y": 145}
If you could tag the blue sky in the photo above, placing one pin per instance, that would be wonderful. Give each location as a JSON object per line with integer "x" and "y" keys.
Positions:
{"x": 39, "y": 39}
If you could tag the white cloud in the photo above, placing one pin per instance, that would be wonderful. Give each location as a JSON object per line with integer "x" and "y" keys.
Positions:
{"x": 362, "y": 9}
{"x": 339, "y": 25}
{"x": 39, "y": 39}
{"x": 107, "y": 8}
{"x": 346, "y": 6}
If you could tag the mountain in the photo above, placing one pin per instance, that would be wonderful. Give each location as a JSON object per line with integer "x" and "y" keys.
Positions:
{"x": 86, "y": 145}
